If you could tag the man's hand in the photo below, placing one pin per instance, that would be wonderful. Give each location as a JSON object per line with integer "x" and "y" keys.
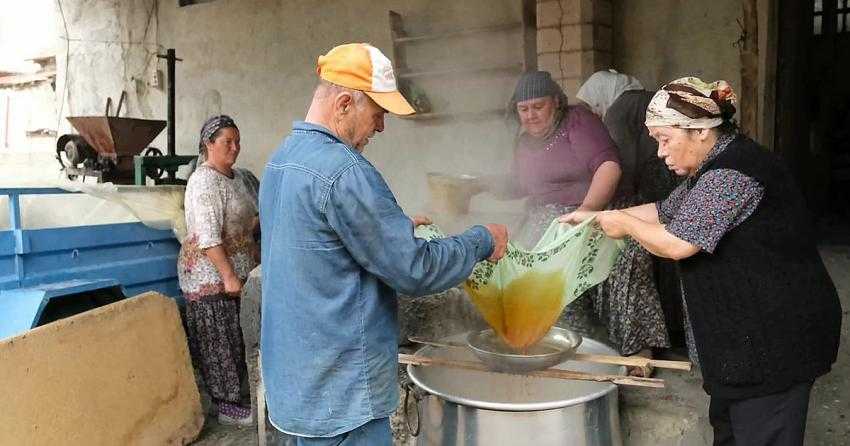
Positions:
{"x": 419, "y": 220}
{"x": 577, "y": 216}
{"x": 500, "y": 241}
{"x": 612, "y": 223}
{"x": 232, "y": 286}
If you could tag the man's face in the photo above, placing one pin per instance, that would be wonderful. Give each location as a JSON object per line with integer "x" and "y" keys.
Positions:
{"x": 365, "y": 118}
{"x": 679, "y": 148}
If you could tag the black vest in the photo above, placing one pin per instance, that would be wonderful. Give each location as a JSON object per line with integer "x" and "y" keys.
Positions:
{"x": 764, "y": 311}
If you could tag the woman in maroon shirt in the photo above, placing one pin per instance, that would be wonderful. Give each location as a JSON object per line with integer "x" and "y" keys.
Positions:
{"x": 564, "y": 162}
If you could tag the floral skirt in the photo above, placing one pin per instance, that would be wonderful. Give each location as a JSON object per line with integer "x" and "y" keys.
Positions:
{"x": 626, "y": 308}
{"x": 215, "y": 340}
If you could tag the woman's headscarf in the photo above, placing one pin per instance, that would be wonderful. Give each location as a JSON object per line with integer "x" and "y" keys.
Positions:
{"x": 604, "y": 87}
{"x": 538, "y": 84}
{"x": 691, "y": 103}
{"x": 212, "y": 125}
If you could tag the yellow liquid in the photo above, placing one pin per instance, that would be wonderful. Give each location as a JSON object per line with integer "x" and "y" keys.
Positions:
{"x": 525, "y": 310}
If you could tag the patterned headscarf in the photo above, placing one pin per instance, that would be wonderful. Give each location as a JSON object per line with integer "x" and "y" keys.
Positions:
{"x": 691, "y": 103}
{"x": 602, "y": 88}
{"x": 212, "y": 125}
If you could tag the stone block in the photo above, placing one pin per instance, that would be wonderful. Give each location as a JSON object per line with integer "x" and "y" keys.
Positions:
{"x": 548, "y": 40}
{"x": 571, "y": 64}
{"x": 118, "y": 374}
{"x": 570, "y": 86}
{"x": 557, "y": 13}
{"x": 550, "y": 62}
{"x": 249, "y": 320}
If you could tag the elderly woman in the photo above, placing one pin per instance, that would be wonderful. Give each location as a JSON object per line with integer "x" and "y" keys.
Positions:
{"x": 764, "y": 317}
{"x": 620, "y": 101}
{"x": 217, "y": 255}
{"x": 564, "y": 162}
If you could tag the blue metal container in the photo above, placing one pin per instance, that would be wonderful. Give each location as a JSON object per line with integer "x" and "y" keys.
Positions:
{"x": 40, "y": 266}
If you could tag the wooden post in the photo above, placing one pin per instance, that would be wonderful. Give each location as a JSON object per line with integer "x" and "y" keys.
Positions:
{"x": 749, "y": 68}
{"x": 529, "y": 32}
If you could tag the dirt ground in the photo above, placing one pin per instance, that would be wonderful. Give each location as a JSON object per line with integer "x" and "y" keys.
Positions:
{"x": 829, "y": 409}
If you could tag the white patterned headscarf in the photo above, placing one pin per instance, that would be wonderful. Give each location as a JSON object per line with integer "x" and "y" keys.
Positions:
{"x": 691, "y": 103}
{"x": 604, "y": 87}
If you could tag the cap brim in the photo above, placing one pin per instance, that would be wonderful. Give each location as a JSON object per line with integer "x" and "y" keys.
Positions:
{"x": 392, "y": 102}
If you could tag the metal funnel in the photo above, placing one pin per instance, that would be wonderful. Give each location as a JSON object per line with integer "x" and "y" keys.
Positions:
{"x": 111, "y": 135}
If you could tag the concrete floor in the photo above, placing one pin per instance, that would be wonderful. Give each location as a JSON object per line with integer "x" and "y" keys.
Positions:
{"x": 678, "y": 415}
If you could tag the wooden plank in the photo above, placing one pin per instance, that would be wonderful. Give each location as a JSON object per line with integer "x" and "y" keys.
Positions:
{"x": 460, "y": 33}
{"x": 514, "y": 67}
{"x": 483, "y": 114}
{"x": 529, "y": 38}
{"x": 548, "y": 373}
{"x": 633, "y": 361}
{"x": 749, "y": 54}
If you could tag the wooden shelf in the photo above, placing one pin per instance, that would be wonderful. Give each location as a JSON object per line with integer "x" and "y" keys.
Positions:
{"x": 449, "y": 115}
{"x": 460, "y": 33}
{"x": 514, "y": 67}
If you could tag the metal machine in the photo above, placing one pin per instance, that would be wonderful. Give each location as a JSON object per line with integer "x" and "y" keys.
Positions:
{"x": 115, "y": 149}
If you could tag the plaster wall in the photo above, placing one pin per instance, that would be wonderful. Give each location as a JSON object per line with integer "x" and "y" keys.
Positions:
{"x": 661, "y": 40}
{"x": 256, "y": 60}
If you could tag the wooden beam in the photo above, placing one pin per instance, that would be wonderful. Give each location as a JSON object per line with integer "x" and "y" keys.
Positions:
{"x": 529, "y": 39}
{"x": 749, "y": 53}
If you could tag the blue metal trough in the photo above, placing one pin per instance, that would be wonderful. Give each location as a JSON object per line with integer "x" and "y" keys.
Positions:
{"x": 38, "y": 266}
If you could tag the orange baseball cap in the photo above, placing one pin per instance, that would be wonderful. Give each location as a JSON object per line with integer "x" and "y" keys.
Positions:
{"x": 363, "y": 67}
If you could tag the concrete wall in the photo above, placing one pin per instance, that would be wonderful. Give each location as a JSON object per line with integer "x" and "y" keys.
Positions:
{"x": 660, "y": 40}
{"x": 256, "y": 58}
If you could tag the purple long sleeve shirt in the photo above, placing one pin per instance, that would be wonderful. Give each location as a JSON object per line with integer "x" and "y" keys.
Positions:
{"x": 559, "y": 169}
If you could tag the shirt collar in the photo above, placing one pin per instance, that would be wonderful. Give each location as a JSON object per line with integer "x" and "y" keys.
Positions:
{"x": 720, "y": 146}
{"x": 309, "y": 127}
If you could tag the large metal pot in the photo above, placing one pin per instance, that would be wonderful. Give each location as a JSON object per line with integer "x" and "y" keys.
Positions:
{"x": 472, "y": 408}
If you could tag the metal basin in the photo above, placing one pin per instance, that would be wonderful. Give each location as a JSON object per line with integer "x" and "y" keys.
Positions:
{"x": 556, "y": 347}
{"x": 472, "y": 408}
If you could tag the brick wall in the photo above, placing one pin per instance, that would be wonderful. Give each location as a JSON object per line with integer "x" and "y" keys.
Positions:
{"x": 573, "y": 39}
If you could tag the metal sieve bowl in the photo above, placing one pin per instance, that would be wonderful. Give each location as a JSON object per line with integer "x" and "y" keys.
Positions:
{"x": 556, "y": 347}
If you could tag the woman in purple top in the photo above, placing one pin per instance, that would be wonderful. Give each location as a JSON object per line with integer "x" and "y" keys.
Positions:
{"x": 566, "y": 162}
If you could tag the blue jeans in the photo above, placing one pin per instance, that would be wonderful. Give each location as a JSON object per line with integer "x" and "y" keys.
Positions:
{"x": 374, "y": 433}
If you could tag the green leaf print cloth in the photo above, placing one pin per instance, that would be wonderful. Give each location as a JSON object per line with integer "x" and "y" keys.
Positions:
{"x": 523, "y": 294}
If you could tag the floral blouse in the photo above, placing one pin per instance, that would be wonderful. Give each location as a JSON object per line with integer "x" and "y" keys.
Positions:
{"x": 219, "y": 211}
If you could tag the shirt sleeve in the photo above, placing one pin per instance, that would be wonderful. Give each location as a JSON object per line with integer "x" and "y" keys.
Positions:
{"x": 667, "y": 208}
{"x": 590, "y": 140}
{"x": 378, "y": 234}
{"x": 206, "y": 202}
{"x": 720, "y": 200}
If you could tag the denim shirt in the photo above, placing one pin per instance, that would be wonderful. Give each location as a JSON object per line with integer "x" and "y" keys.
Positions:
{"x": 336, "y": 249}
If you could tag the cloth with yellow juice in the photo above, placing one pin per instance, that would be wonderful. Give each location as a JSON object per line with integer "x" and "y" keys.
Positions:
{"x": 523, "y": 294}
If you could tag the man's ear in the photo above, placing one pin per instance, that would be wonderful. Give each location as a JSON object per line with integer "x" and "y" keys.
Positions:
{"x": 343, "y": 102}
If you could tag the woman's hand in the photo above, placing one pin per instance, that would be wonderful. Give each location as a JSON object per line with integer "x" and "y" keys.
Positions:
{"x": 577, "y": 216}
{"x": 612, "y": 223}
{"x": 232, "y": 286}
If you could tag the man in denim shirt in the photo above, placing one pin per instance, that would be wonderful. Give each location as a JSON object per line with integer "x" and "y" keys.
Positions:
{"x": 336, "y": 249}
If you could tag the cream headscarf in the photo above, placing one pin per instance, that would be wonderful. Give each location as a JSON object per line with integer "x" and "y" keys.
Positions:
{"x": 691, "y": 103}
{"x": 604, "y": 87}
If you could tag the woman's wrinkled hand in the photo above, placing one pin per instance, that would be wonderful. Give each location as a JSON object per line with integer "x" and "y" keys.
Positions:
{"x": 612, "y": 223}
{"x": 232, "y": 286}
{"x": 577, "y": 216}
{"x": 419, "y": 220}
